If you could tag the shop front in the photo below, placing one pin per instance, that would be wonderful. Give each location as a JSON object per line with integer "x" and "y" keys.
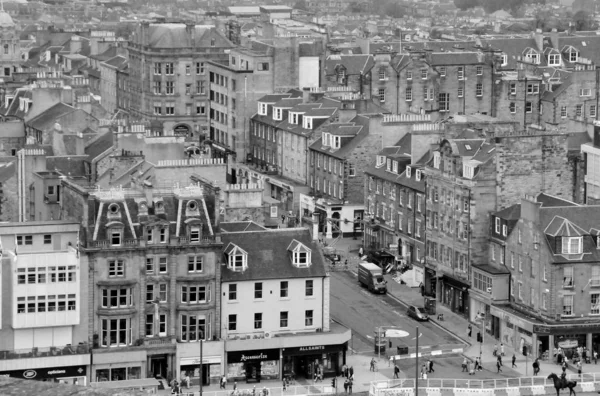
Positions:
{"x": 430, "y": 282}
{"x": 253, "y": 365}
{"x": 307, "y": 361}
{"x": 73, "y": 375}
{"x": 188, "y": 361}
{"x": 110, "y": 365}
{"x": 568, "y": 337}
{"x": 455, "y": 295}
{"x": 516, "y": 331}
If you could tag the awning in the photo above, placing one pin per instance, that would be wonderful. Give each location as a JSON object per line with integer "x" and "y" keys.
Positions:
{"x": 455, "y": 282}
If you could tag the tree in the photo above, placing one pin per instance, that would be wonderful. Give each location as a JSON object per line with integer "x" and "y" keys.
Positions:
{"x": 301, "y": 5}
{"x": 464, "y": 5}
{"x": 583, "y": 21}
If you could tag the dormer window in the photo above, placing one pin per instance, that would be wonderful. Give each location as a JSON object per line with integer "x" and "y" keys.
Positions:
{"x": 573, "y": 55}
{"x": 436, "y": 159}
{"x": 341, "y": 76}
{"x": 116, "y": 236}
{"x": 194, "y": 234}
{"x": 293, "y": 118}
{"x": 380, "y": 161}
{"x": 336, "y": 142}
{"x": 395, "y": 166}
{"x": 408, "y": 171}
{"x": 532, "y": 56}
{"x": 468, "y": 171}
{"x": 262, "y": 108}
{"x": 572, "y": 245}
{"x": 143, "y": 208}
{"x": 554, "y": 59}
{"x": 418, "y": 175}
{"x": 237, "y": 258}
{"x": 388, "y": 166}
{"x": 300, "y": 254}
{"x": 277, "y": 114}
{"x": 504, "y": 60}
{"x": 160, "y": 207}
{"x": 308, "y": 123}
{"x": 326, "y": 139}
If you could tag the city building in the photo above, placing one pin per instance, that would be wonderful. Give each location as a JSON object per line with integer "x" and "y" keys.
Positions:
{"x": 275, "y": 305}
{"x": 167, "y": 71}
{"x": 154, "y": 288}
{"x": 10, "y": 55}
{"x": 591, "y": 160}
{"x": 44, "y": 329}
{"x": 548, "y": 247}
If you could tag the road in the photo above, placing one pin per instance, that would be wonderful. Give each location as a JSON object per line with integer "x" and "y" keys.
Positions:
{"x": 362, "y": 311}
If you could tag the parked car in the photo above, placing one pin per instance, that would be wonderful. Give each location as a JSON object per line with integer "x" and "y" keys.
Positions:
{"x": 417, "y": 313}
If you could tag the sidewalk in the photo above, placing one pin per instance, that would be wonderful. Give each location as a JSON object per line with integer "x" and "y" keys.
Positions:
{"x": 456, "y": 324}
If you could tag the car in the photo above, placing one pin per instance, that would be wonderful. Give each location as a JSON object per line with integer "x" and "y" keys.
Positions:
{"x": 417, "y": 313}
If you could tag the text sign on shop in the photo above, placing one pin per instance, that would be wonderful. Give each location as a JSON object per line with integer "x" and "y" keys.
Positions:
{"x": 312, "y": 350}
{"x": 47, "y": 372}
{"x": 252, "y": 356}
{"x": 568, "y": 344}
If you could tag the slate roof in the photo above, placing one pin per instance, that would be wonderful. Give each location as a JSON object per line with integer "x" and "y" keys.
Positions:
{"x": 513, "y": 48}
{"x": 48, "y": 118}
{"x": 240, "y": 226}
{"x": 588, "y": 47}
{"x": 117, "y": 62}
{"x": 437, "y": 46}
{"x": 7, "y": 170}
{"x": 466, "y": 147}
{"x": 73, "y": 165}
{"x": 99, "y": 145}
{"x": 174, "y": 35}
{"x": 511, "y": 213}
{"x": 549, "y": 201}
{"x": 354, "y": 64}
{"x": 456, "y": 58}
{"x": 272, "y": 260}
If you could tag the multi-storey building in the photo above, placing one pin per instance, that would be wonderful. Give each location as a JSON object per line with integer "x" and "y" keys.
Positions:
{"x": 549, "y": 248}
{"x": 249, "y": 74}
{"x": 518, "y": 97}
{"x": 395, "y": 205}
{"x": 44, "y": 329}
{"x": 10, "y": 55}
{"x": 109, "y": 91}
{"x": 591, "y": 158}
{"x": 461, "y": 178}
{"x": 168, "y": 73}
{"x": 153, "y": 287}
{"x": 275, "y": 306}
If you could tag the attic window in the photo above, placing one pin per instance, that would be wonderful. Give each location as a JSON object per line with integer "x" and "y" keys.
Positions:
{"x": 408, "y": 171}
{"x": 143, "y": 208}
{"x": 572, "y": 245}
{"x": 341, "y": 76}
{"x": 192, "y": 205}
{"x": 325, "y": 141}
{"x": 389, "y": 165}
{"x": 194, "y": 234}
{"x": 504, "y": 60}
{"x": 573, "y": 56}
{"x": 160, "y": 207}
{"x": 554, "y": 59}
{"x": 277, "y": 114}
{"x": 468, "y": 171}
{"x": 237, "y": 259}
{"x": 300, "y": 254}
{"x": 436, "y": 159}
{"x": 308, "y": 123}
{"x": 380, "y": 161}
{"x": 336, "y": 142}
{"x": 262, "y": 108}
{"x": 395, "y": 166}
{"x": 113, "y": 208}
{"x": 293, "y": 118}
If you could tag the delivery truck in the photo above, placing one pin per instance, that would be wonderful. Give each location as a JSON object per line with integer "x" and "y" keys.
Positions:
{"x": 371, "y": 276}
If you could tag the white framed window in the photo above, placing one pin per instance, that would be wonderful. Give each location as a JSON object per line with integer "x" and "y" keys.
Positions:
{"x": 382, "y": 74}
{"x": 408, "y": 96}
{"x": 381, "y": 94}
{"x": 573, "y": 56}
{"x": 563, "y": 112}
{"x": 504, "y": 60}
{"x": 554, "y": 59}
{"x": 460, "y": 72}
{"x": 497, "y": 225}
{"x": 512, "y": 287}
{"x": 520, "y": 291}
{"x": 567, "y": 277}
{"x": 595, "y": 279}
{"x": 479, "y": 70}
{"x": 512, "y": 107}
{"x": 512, "y": 89}
{"x": 424, "y": 74}
{"x": 116, "y": 268}
{"x": 262, "y": 108}
{"x": 592, "y": 112}
{"x": 409, "y": 75}
{"x": 585, "y": 92}
{"x": 115, "y": 332}
{"x": 479, "y": 89}
{"x": 195, "y": 327}
{"x": 195, "y": 264}
{"x": 116, "y": 237}
{"x": 567, "y": 305}
{"x": 308, "y": 318}
{"x": 572, "y": 245}
{"x": 533, "y": 88}
{"x": 544, "y": 300}
{"x": 442, "y": 71}
{"x": 528, "y": 107}
{"x": 594, "y": 303}
{"x": 195, "y": 294}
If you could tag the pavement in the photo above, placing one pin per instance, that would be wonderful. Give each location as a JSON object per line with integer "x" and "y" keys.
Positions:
{"x": 453, "y": 323}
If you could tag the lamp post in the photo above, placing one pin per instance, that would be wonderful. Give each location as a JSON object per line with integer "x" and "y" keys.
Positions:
{"x": 417, "y": 364}
{"x": 480, "y": 320}
{"x": 201, "y": 339}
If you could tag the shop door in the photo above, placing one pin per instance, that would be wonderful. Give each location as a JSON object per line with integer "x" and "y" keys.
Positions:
{"x": 158, "y": 366}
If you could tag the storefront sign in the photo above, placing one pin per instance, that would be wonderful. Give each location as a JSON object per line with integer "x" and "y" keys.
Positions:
{"x": 570, "y": 328}
{"x": 190, "y": 361}
{"x": 568, "y": 344}
{"x": 278, "y": 183}
{"x": 313, "y": 350}
{"x": 252, "y": 356}
{"x": 509, "y": 318}
{"x": 181, "y": 129}
{"x": 47, "y": 372}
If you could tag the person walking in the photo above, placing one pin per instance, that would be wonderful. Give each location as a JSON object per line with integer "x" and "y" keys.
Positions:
{"x": 595, "y": 357}
{"x": 476, "y": 366}
{"x": 346, "y": 383}
{"x": 471, "y": 368}
{"x": 501, "y": 349}
{"x": 234, "y": 386}
{"x": 345, "y": 371}
{"x": 360, "y": 252}
{"x": 514, "y": 359}
{"x": 396, "y": 371}
{"x": 579, "y": 367}
{"x": 536, "y": 366}
{"x": 495, "y": 353}
{"x": 187, "y": 380}
{"x": 372, "y": 366}
{"x": 431, "y": 370}
{"x": 223, "y": 384}
{"x": 498, "y": 366}
{"x": 469, "y": 330}
{"x": 464, "y": 365}
{"x": 500, "y": 360}
{"x": 350, "y": 386}
{"x": 351, "y": 372}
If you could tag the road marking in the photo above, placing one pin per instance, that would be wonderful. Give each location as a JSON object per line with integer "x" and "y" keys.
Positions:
{"x": 414, "y": 338}
{"x": 370, "y": 337}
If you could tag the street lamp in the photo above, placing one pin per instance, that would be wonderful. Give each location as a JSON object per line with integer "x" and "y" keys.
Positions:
{"x": 201, "y": 339}
{"x": 480, "y": 319}
{"x": 417, "y": 364}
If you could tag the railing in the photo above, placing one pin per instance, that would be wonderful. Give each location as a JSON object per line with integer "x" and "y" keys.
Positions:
{"x": 480, "y": 383}
{"x": 289, "y": 391}
{"x": 45, "y": 352}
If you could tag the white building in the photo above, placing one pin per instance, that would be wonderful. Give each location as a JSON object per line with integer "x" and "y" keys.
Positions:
{"x": 44, "y": 307}
{"x": 275, "y": 305}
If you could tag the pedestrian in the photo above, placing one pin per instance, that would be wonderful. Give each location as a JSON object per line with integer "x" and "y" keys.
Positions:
{"x": 514, "y": 359}
{"x": 282, "y": 218}
{"x": 498, "y": 365}
{"x": 254, "y": 390}
{"x": 351, "y": 372}
{"x": 396, "y": 371}
{"x": 464, "y": 365}
{"x": 595, "y": 357}
{"x": 579, "y": 367}
{"x": 284, "y": 384}
{"x": 536, "y": 366}
{"x": 345, "y": 371}
{"x": 501, "y": 349}
{"x": 265, "y": 391}
{"x": 431, "y": 370}
{"x": 234, "y": 386}
{"x": 346, "y": 383}
{"x": 500, "y": 360}
{"x": 469, "y": 330}
{"x": 372, "y": 367}
{"x": 478, "y": 362}
{"x": 222, "y": 382}
{"x": 423, "y": 371}
{"x": 360, "y": 252}
{"x": 350, "y": 386}
{"x": 495, "y": 350}
{"x": 471, "y": 368}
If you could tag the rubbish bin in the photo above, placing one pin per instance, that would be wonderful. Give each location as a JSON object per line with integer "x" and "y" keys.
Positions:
{"x": 430, "y": 306}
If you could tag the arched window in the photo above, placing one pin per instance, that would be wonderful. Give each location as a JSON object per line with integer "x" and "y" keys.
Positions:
{"x": 5, "y": 49}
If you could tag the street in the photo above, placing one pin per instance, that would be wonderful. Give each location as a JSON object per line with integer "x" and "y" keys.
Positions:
{"x": 362, "y": 311}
